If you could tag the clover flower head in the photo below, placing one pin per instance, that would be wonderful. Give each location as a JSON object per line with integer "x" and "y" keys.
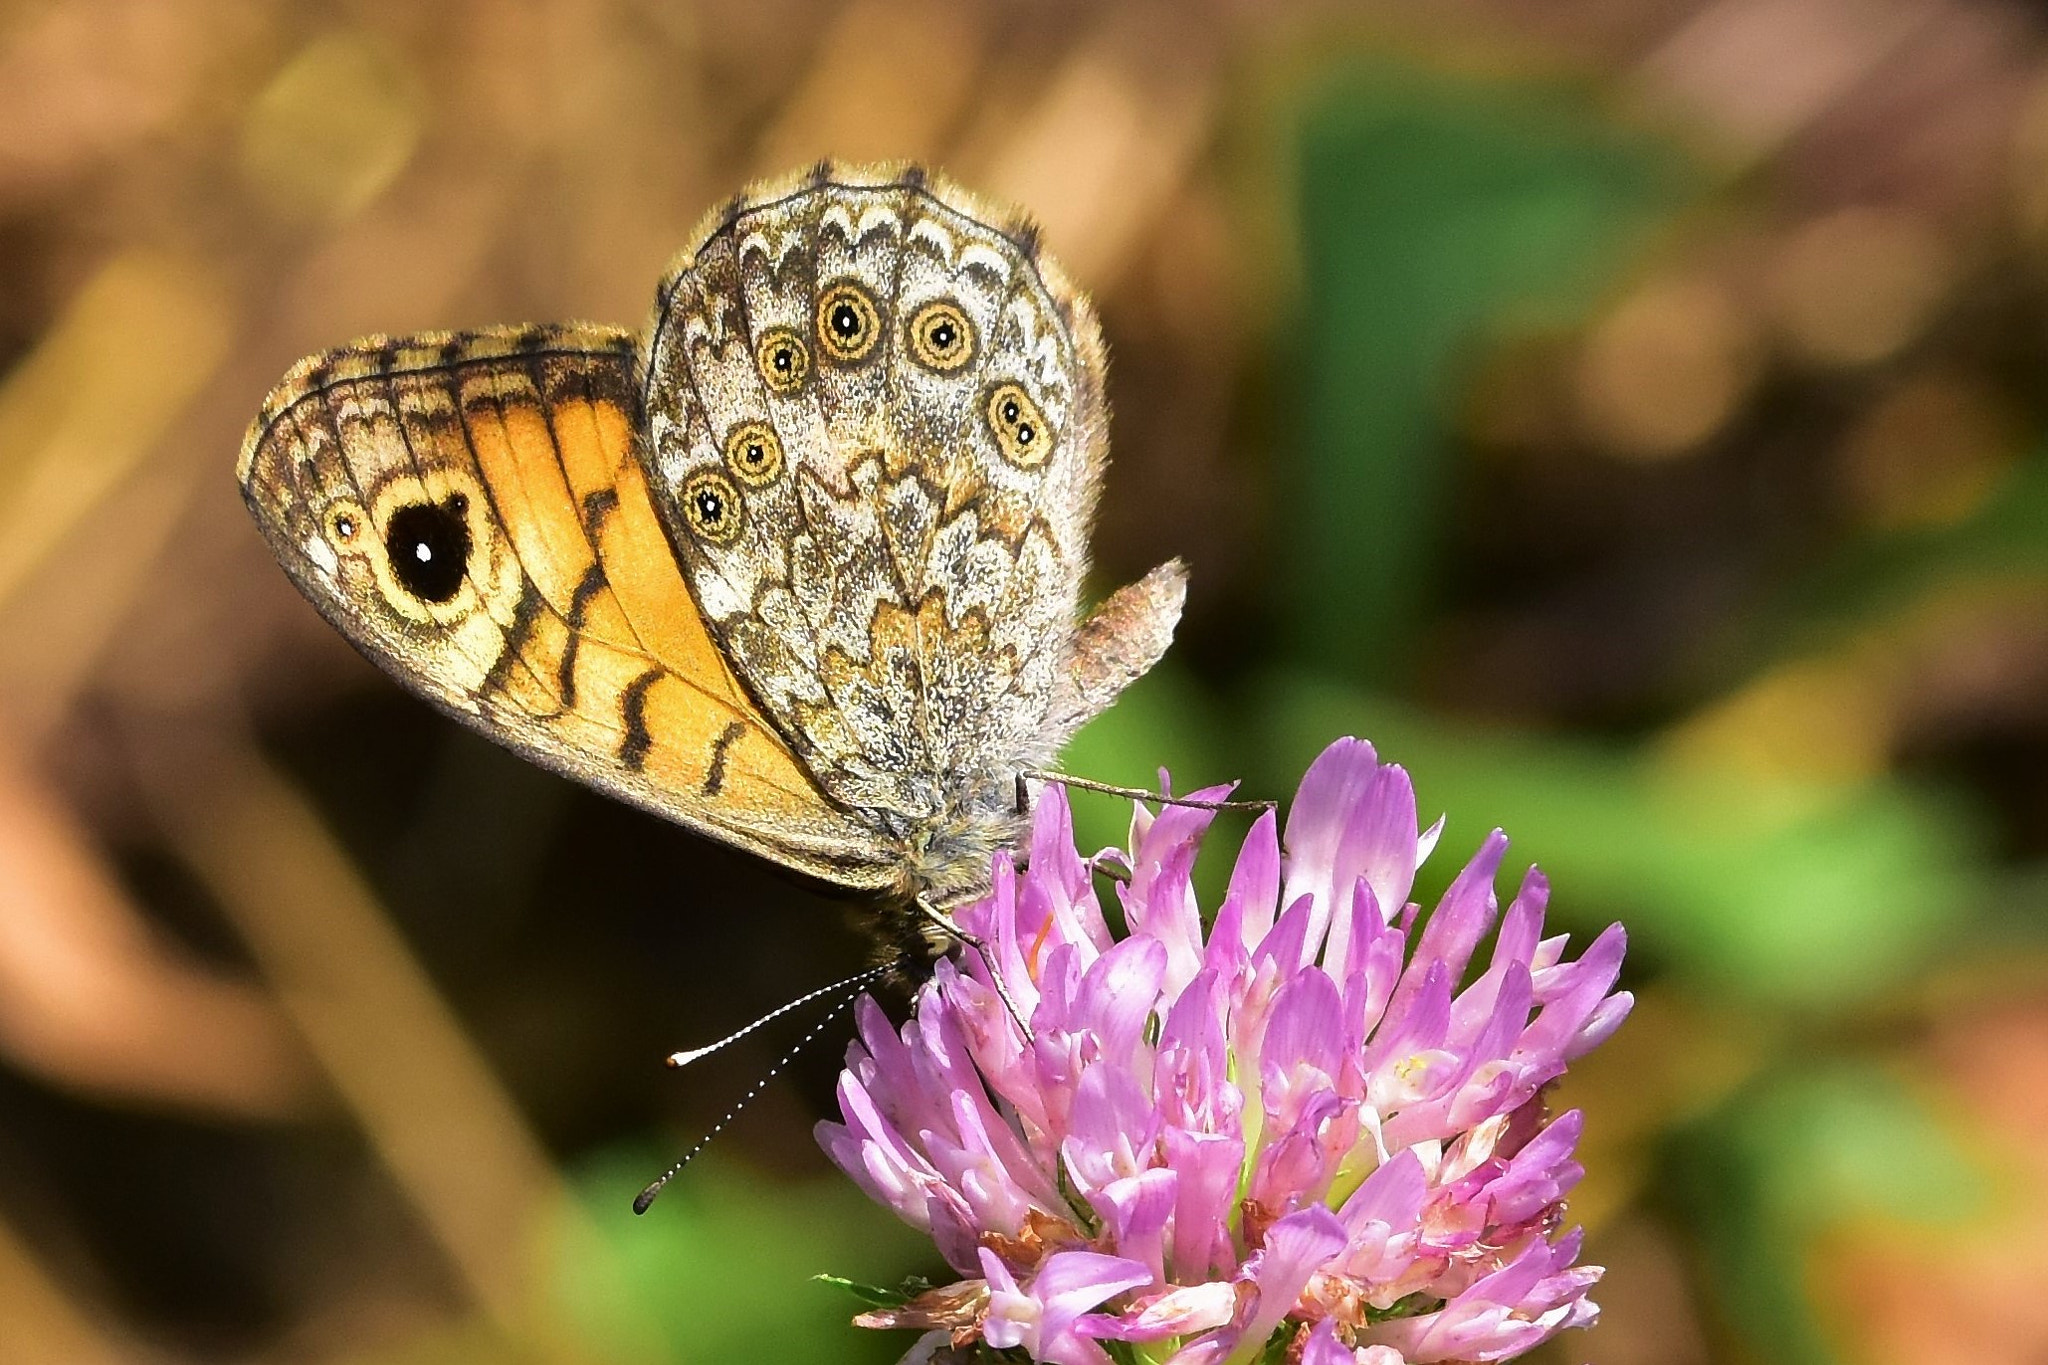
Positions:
{"x": 1309, "y": 1127}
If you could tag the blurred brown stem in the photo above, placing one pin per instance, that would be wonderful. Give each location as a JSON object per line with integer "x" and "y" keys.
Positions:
{"x": 424, "y": 1096}
{"x": 92, "y": 1000}
{"x": 43, "y": 1325}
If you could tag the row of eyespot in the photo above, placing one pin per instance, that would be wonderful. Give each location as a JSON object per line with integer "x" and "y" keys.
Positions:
{"x": 715, "y": 508}
{"x": 848, "y": 324}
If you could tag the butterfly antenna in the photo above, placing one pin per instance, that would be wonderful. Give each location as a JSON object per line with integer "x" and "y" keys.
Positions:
{"x": 645, "y": 1199}
{"x": 688, "y": 1055}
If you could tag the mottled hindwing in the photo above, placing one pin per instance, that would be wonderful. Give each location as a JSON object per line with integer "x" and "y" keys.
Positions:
{"x": 878, "y": 427}
{"x": 472, "y": 511}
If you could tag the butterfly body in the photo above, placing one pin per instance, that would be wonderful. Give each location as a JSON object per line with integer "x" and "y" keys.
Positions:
{"x": 799, "y": 569}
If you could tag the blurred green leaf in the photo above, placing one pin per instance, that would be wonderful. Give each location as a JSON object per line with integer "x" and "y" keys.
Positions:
{"x": 726, "y": 1265}
{"x": 1802, "y": 896}
{"x": 2005, "y": 538}
{"x": 1429, "y": 205}
{"x": 1796, "y": 1154}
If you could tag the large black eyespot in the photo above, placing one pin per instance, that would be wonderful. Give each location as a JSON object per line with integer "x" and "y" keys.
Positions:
{"x": 784, "y": 360}
{"x": 849, "y": 324}
{"x": 712, "y": 507}
{"x": 941, "y": 337}
{"x": 429, "y": 547}
{"x": 1020, "y": 428}
{"x": 753, "y": 452}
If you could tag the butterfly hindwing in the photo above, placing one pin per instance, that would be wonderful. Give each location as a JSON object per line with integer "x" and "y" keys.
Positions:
{"x": 896, "y": 579}
{"x": 473, "y": 512}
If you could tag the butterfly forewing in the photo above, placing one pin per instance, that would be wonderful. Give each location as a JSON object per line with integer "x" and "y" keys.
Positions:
{"x": 473, "y": 512}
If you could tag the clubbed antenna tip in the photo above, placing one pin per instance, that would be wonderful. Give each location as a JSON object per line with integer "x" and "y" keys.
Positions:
{"x": 850, "y": 989}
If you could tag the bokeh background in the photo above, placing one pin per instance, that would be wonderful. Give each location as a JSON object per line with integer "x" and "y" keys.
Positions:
{"x": 1628, "y": 413}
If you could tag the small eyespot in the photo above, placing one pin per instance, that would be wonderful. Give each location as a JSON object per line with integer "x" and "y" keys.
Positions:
{"x": 1020, "y": 428}
{"x": 428, "y": 544}
{"x": 941, "y": 337}
{"x": 783, "y": 359}
{"x": 712, "y": 507}
{"x": 753, "y": 452}
{"x": 344, "y": 524}
{"x": 848, "y": 322}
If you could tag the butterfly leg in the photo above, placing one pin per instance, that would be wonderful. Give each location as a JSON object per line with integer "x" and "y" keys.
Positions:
{"x": 1140, "y": 794}
{"x": 980, "y": 945}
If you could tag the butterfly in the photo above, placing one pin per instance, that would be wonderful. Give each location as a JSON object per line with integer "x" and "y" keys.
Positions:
{"x": 798, "y": 568}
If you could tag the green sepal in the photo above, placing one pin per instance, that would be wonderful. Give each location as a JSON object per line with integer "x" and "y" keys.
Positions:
{"x": 873, "y": 1295}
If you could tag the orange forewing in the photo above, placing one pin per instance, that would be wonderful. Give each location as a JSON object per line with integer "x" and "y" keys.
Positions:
{"x": 574, "y": 637}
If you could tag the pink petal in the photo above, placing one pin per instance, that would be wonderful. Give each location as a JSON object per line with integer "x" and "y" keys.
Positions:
{"x": 1303, "y": 1047}
{"x": 1254, "y": 895}
{"x": 1323, "y": 1348}
{"x": 1296, "y": 1247}
{"x": 1115, "y": 996}
{"x": 1353, "y": 817}
{"x": 1112, "y": 1131}
{"x": 1191, "y": 1068}
{"x": 1181, "y": 1311}
{"x": 1058, "y": 871}
{"x": 1042, "y": 1316}
{"x": 1207, "y": 1165}
{"x": 1572, "y": 994}
{"x": 1393, "y": 1196}
{"x": 1461, "y": 918}
{"x": 1134, "y": 1213}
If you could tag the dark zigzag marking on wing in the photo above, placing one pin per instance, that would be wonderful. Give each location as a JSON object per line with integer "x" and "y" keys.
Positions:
{"x": 525, "y": 620}
{"x": 638, "y": 739}
{"x": 593, "y": 580}
{"x": 598, "y": 504}
{"x": 451, "y": 381}
{"x": 714, "y": 780}
{"x": 588, "y": 587}
{"x": 1021, "y": 234}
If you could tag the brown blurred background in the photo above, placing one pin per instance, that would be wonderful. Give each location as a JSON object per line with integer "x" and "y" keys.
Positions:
{"x": 1627, "y": 412}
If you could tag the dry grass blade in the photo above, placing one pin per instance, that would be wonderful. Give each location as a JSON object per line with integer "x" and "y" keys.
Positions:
{"x": 395, "y": 1052}
{"x": 45, "y": 1326}
{"x": 91, "y": 999}
{"x": 81, "y": 413}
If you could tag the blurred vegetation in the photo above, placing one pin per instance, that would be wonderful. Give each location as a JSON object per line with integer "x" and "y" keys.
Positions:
{"x": 1629, "y": 416}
